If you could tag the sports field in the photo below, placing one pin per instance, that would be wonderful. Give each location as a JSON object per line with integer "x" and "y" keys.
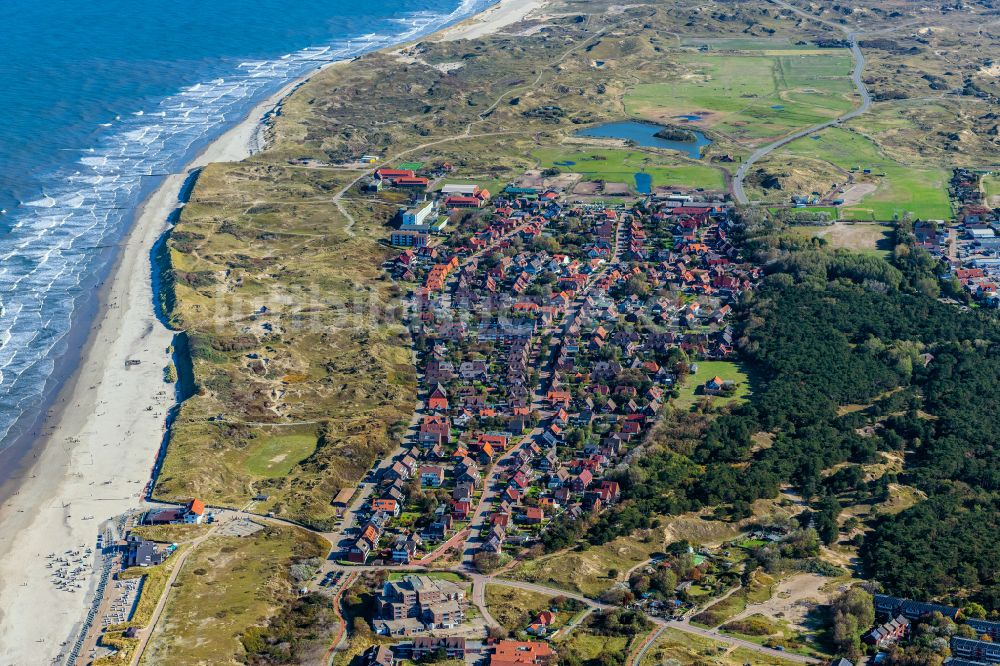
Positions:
{"x": 902, "y": 189}
{"x": 751, "y": 97}
{"x": 615, "y": 165}
{"x": 866, "y": 238}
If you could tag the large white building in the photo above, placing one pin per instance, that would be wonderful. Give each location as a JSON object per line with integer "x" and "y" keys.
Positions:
{"x": 415, "y": 218}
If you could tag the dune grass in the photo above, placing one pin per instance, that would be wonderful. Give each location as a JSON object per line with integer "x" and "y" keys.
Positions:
{"x": 226, "y": 586}
{"x": 689, "y": 649}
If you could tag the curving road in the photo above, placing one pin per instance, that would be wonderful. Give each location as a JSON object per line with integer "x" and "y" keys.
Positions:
{"x": 739, "y": 194}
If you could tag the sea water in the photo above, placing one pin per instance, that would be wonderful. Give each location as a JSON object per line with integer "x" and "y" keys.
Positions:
{"x": 101, "y": 99}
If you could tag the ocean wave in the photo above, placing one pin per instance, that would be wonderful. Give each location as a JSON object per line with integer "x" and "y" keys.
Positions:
{"x": 49, "y": 253}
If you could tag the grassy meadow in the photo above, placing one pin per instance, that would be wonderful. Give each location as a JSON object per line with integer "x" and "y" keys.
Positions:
{"x": 620, "y": 166}
{"x": 750, "y": 97}
{"x": 687, "y": 649}
{"x": 900, "y": 188}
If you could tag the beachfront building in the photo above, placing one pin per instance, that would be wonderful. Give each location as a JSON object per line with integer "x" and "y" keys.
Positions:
{"x": 191, "y": 514}
{"x": 142, "y": 553}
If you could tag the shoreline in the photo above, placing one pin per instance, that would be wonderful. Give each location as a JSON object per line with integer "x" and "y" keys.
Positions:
{"x": 101, "y": 437}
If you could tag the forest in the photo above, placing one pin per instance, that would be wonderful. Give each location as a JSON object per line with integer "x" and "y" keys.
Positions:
{"x": 827, "y": 329}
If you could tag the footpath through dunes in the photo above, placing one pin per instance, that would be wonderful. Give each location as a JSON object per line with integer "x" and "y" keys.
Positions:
{"x": 300, "y": 356}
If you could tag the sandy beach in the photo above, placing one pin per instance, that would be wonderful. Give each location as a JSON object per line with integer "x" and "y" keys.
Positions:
{"x": 106, "y": 427}
{"x": 494, "y": 19}
{"x": 102, "y": 434}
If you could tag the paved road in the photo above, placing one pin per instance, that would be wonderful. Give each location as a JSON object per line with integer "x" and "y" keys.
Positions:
{"x": 866, "y": 101}
{"x": 637, "y": 659}
{"x": 479, "y": 599}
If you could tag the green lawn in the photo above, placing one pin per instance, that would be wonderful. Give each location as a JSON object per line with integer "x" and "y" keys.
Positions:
{"x": 436, "y": 575}
{"x": 751, "y": 96}
{"x": 621, "y": 166}
{"x": 900, "y": 188}
{"x": 275, "y": 456}
{"x": 991, "y": 186}
{"x": 691, "y": 391}
{"x": 746, "y": 44}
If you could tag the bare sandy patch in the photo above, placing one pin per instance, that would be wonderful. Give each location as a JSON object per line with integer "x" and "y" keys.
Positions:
{"x": 498, "y": 17}
{"x": 792, "y": 600}
{"x": 855, "y": 193}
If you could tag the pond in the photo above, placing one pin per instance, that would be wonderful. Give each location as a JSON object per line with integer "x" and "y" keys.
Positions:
{"x": 643, "y": 183}
{"x": 644, "y": 134}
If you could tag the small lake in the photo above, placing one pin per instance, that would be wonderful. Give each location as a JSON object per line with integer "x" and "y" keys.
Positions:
{"x": 644, "y": 134}
{"x": 643, "y": 183}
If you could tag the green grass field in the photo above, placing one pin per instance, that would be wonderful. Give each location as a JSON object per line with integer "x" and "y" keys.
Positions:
{"x": 590, "y": 646}
{"x": 746, "y": 44}
{"x": 920, "y": 191}
{"x": 690, "y": 391}
{"x": 275, "y": 456}
{"x": 751, "y": 97}
{"x": 991, "y": 187}
{"x": 832, "y": 211}
{"x": 621, "y": 166}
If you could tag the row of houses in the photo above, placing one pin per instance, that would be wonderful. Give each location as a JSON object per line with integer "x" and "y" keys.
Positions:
{"x": 901, "y": 613}
{"x": 502, "y": 653}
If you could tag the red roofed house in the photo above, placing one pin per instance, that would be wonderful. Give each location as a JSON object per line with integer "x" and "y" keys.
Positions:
{"x": 412, "y": 181}
{"x": 392, "y": 175}
{"x": 195, "y": 512}
{"x": 461, "y": 510}
{"x": 388, "y": 505}
{"x": 458, "y": 201}
{"x": 435, "y": 429}
{"x": 582, "y": 481}
{"x": 438, "y": 399}
{"x": 533, "y": 515}
{"x": 513, "y": 653}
